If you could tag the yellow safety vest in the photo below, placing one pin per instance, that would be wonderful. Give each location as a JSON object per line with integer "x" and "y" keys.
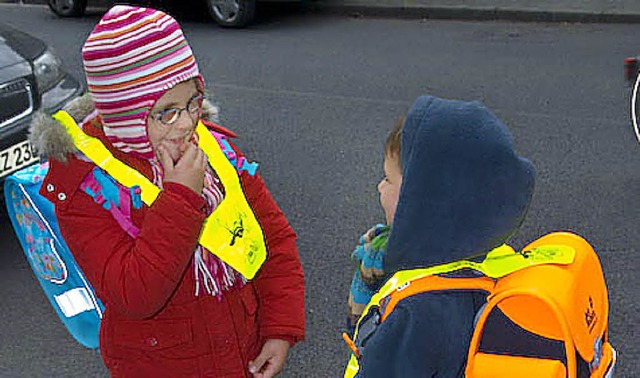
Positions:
{"x": 231, "y": 232}
{"x": 498, "y": 263}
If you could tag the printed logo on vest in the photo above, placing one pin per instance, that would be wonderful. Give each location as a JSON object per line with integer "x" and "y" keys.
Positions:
{"x": 253, "y": 253}
{"x": 236, "y": 232}
{"x": 525, "y": 254}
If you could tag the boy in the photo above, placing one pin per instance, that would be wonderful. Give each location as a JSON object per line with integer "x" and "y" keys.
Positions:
{"x": 369, "y": 253}
{"x": 464, "y": 192}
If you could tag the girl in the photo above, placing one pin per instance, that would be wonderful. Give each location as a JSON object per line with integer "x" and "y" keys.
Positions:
{"x": 195, "y": 263}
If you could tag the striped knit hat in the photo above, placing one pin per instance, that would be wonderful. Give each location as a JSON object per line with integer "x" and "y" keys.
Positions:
{"x": 131, "y": 58}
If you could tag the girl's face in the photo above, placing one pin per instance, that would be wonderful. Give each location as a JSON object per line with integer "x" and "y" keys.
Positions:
{"x": 173, "y": 118}
{"x": 389, "y": 187}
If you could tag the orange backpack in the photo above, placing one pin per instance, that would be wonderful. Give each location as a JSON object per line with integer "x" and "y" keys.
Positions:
{"x": 552, "y": 318}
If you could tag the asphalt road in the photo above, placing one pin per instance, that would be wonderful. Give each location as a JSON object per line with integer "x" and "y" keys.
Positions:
{"x": 313, "y": 97}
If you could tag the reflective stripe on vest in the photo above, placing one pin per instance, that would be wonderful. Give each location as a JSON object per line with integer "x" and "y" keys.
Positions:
{"x": 231, "y": 232}
{"x": 498, "y": 263}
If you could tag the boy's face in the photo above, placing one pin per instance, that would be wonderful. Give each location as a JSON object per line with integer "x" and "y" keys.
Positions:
{"x": 389, "y": 186}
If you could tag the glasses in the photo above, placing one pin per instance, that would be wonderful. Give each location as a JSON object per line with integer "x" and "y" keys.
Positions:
{"x": 169, "y": 116}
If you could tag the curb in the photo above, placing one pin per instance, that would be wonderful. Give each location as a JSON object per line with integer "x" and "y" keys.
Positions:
{"x": 476, "y": 14}
{"x": 356, "y": 10}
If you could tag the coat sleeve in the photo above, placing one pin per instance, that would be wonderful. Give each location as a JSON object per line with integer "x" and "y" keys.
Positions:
{"x": 280, "y": 281}
{"x": 134, "y": 276}
{"x": 427, "y": 335}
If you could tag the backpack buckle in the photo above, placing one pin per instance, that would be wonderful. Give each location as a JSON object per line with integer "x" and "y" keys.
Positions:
{"x": 597, "y": 354}
{"x": 366, "y": 327}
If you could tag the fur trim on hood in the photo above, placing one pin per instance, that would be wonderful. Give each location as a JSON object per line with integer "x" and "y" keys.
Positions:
{"x": 51, "y": 140}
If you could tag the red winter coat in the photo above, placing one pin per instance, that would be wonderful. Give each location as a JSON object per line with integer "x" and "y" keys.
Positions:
{"x": 154, "y": 325}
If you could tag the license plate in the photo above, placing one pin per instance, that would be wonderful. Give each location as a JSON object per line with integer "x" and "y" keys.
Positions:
{"x": 17, "y": 156}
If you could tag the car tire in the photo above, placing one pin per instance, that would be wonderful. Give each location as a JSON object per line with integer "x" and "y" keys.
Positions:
{"x": 232, "y": 13}
{"x": 68, "y": 8}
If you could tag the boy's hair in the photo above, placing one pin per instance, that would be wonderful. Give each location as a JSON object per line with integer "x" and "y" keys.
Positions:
{"x": 392, "y": 144}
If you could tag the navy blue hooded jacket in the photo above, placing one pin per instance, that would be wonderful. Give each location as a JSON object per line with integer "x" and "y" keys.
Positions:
{"x": 464, "y": 192}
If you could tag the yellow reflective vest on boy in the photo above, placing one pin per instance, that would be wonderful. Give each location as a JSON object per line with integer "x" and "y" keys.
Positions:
{"x": 231, "y": 232}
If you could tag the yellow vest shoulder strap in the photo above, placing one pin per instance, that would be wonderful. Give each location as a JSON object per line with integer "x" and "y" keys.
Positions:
{"x": 95, "y": 151}
{"x": 498, "y": 263}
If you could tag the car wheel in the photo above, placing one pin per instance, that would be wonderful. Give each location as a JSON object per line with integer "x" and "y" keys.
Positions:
{"x": 68, "y": 8}
{"x": 232, "y": 13}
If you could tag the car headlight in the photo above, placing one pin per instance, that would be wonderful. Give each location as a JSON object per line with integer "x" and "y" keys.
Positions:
{"x": 47, "y": 70}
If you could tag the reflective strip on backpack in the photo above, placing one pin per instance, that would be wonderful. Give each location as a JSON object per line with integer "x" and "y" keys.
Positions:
{"x": 75, "y": 301}
{"x": 231, "y": 231}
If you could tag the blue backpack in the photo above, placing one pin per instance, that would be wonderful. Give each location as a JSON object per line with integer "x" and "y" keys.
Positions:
{"x": 64, "y": 284}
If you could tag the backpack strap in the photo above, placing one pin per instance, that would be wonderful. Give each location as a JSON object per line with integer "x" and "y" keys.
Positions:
{"x": 375, "y": 315}
{"x": 113, "y": 197}
{"x": 239, "y": 162}
{"x": 433, "y": 283}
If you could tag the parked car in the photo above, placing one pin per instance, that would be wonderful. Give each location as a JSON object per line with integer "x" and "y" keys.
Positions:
{"x": 631, "y": 75}
{"x": 227, "y": 13}
{"x": 31, "y": 78}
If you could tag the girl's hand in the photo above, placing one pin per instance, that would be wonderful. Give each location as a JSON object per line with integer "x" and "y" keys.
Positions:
{"x": 270, "y": 361}
{"x": 188, "y": 170}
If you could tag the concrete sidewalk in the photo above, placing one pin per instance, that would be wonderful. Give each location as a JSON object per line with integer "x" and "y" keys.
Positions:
{"x": 605, "y": 11}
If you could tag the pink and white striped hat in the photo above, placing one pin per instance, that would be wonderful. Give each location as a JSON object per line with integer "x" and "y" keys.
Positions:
{"x": 131, "y": 58}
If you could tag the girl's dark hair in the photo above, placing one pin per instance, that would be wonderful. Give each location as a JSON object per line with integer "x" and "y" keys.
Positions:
{"x": 392, "y": 144}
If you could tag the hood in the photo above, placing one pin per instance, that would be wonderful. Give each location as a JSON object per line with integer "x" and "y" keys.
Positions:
{"x": 51, "y": 140}
{"x": 464, "y": 190}
{"x": 131, "y": 59}
{"x": 17, "y": 47}
{"x": 8, "y": 55}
